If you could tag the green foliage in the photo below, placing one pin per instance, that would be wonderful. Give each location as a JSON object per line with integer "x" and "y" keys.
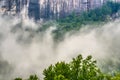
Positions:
{"x": 58, "y": 71}
{"x": 18, "y": 79}
{"x": 60, "y": 77}
{"x": 116, "y": 76}
{"x": 31, "y": 77}
{"x": 77, "y": 69}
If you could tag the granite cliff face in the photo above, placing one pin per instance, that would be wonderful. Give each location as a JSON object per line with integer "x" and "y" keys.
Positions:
{"x": 49, "y": 9}
{"x": 14, "y": 7}
{"x": 34, "y": 9}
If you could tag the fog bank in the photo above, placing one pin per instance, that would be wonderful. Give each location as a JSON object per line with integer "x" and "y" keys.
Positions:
{"x": 24, "y": 50}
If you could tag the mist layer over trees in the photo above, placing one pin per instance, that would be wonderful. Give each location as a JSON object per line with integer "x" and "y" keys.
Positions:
{"x": 29, "y": 45}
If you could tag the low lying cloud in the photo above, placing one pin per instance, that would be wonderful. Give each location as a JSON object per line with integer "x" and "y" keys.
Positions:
{"x": 25, "y": 51}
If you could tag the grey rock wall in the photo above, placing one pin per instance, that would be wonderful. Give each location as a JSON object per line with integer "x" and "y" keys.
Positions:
{"x": 34, "y": 9}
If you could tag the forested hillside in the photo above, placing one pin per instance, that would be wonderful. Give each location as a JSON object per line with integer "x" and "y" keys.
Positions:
{"x": 73, "y": 22}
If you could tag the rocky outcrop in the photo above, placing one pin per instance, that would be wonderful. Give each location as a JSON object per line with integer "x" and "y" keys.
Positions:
{"x": 34, "y": 9}
{"x": 14, "y": 7}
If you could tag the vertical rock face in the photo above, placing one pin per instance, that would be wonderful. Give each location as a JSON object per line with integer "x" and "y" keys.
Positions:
{"x": 17, "y": 6}
{"x": 34, "y": 9}
{"x": 20, "y": 4}
{"x": 34, "y": 1}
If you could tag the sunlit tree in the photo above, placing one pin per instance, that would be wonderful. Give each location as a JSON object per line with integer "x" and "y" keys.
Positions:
{"x": 77, "y": 69}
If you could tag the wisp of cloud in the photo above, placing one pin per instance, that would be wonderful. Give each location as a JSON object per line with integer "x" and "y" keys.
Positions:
{"x": 24, "y": 50}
